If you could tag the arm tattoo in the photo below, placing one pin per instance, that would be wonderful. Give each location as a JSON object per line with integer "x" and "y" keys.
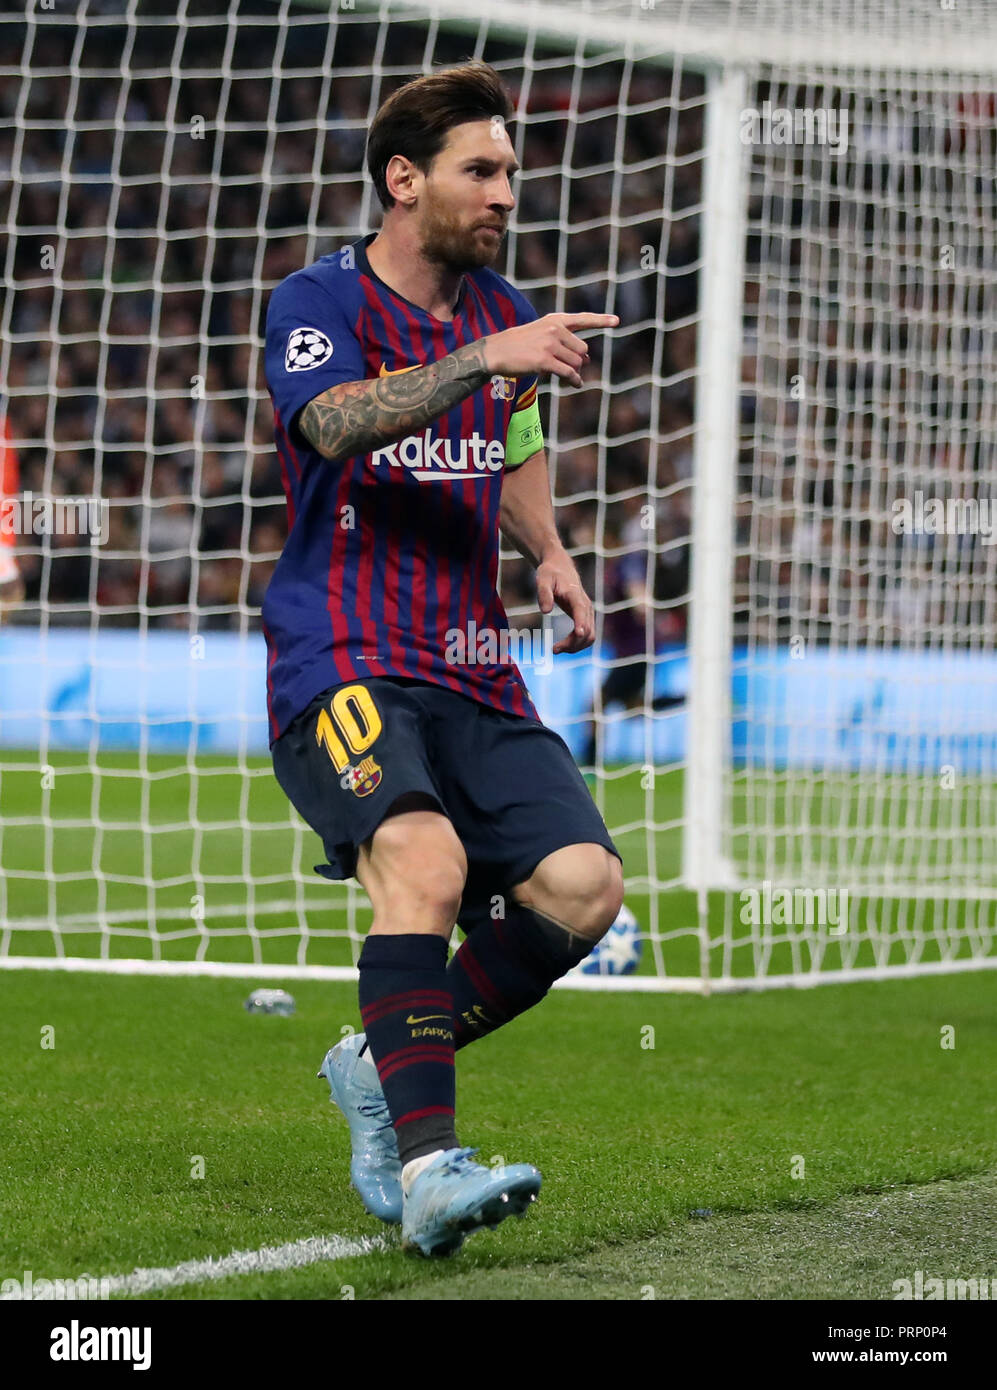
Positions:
{"x": 358, "y": 416}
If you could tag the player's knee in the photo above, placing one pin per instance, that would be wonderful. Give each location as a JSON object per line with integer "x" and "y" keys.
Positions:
{"x": 605, "y": 897}
{"x": 580, "y": 886}
{"x": 427, "y": 899}
{"x": 415, "y": 873}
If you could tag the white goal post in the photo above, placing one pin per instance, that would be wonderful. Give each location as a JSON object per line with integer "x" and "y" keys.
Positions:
{"x": 780, "y": 483}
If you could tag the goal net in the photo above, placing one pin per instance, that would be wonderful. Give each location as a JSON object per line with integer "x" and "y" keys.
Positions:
{"x": 776, "y": 481}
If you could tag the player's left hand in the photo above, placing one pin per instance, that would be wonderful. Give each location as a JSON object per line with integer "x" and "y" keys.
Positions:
{"x": 558, "y": 582}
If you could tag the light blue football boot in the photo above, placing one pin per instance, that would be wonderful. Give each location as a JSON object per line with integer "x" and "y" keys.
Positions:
{"x": 452, "y": 1197}
{"x": 375, "y": 1168}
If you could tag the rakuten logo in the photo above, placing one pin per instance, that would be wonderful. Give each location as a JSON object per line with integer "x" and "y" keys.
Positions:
{"x": 429, "y": 457}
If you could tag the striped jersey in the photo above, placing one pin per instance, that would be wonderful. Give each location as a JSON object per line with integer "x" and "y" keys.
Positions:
{"x": 392, "y": 553}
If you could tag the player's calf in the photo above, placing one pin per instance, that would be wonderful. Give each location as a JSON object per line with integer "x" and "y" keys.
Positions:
{"x": 413, "y": 868}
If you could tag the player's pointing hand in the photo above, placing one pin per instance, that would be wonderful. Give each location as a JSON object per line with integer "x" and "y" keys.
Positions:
{"x": 548, "y": 346}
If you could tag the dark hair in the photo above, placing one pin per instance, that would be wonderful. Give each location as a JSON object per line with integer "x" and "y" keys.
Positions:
{"x": 414, "y": 121}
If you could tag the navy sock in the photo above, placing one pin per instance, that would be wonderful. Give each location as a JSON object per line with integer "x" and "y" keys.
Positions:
{"x": 505, "y": 967}
{"x": 407, "y": 1009}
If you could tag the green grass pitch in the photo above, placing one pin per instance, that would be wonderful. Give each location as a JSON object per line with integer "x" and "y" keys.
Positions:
{"x": 897, "y": 1138}
{"x": 835, "y": 1143}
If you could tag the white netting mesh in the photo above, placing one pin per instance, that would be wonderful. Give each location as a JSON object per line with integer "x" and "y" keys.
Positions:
{"x": 870, "y": 315}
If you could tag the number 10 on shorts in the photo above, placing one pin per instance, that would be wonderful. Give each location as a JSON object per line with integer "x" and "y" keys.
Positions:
{"x": 353, "y": 713}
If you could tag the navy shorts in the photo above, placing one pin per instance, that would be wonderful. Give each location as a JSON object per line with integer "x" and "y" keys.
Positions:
{"x": 508, "y": 784}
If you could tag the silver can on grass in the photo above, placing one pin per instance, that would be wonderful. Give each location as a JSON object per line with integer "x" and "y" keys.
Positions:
{"x": 270, "y": 1001}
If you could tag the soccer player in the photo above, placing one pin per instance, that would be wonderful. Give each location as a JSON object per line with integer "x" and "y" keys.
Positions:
{"x": 630, "y": 603}
{"x": 403, "y": 372}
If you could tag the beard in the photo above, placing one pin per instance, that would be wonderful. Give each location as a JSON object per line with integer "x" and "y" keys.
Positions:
{"x": 457, "y": 245}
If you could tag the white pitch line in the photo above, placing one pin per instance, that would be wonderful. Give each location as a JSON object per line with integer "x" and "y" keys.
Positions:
{"x": 266, "y": 1260}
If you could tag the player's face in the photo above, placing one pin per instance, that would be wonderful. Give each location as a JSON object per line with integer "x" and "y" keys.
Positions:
{"x": 466, "y": 197}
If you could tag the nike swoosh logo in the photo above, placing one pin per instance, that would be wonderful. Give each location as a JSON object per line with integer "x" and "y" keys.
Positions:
{"x": 398, "y": 370}
{"x": 425, "y": 1018}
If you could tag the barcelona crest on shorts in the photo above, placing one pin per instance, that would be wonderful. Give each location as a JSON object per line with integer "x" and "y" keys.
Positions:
{"x": 363, "y": 778}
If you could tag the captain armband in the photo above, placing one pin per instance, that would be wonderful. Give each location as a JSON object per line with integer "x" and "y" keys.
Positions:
{"x": 525, "y": 436}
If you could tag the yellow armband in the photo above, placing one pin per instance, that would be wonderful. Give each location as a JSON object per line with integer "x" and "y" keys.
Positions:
{"x": 525, "y": 436}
